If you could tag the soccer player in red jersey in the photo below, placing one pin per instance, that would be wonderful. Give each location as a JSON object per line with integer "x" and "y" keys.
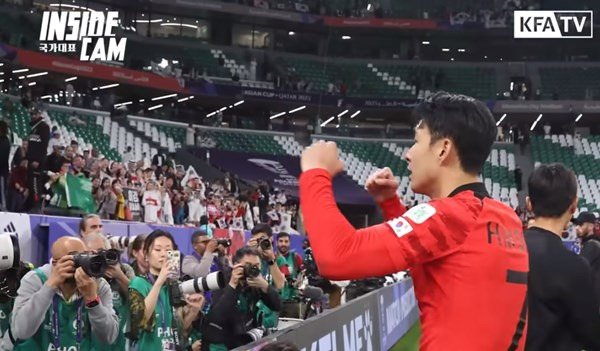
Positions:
{"x": 465, "y": 250}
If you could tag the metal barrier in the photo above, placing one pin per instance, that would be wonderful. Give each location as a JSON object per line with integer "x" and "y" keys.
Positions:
{"x": 372, "y": 322}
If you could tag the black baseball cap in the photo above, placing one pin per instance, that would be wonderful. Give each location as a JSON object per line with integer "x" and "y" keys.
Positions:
{"x": 584, "y": 217}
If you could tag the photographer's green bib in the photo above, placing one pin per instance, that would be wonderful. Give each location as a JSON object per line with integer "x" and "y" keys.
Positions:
{"x": 288, "y": 292}
{"x": 66, "y": 327}
{"x": 121, "y": 307}
{"x": 161, "y": 336}
{"x": 5, "y": 310}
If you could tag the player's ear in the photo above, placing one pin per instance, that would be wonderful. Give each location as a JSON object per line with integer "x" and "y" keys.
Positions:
{"x": 528, "y": 204}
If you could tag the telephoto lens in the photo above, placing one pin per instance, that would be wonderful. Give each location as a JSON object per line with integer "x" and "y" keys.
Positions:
{"x": 265, "y": 244}
{"x": 178, "y": 290}
{"x": 252, "y": 335}
{"x": 93, "y": 264}
{"x": 120, "y": 242}
{"x": 251, "y": 271}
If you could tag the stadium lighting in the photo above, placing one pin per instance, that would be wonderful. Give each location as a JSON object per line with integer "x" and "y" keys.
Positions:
{"x": 425, "y": 42}
{"x": 327, "y": 121}
{"x": 32, "y": 84}
{"x": 452, "y": 59}
{"x": 21, "y": 70}
{"x": 109, "y": 86}
{"x": 446, "y": 50}
{"x": 46, "y": 97}
{"x": 501, "y": 119}
{"x": 278, "y": 115}
{"x": 462, "y": 50}
{"x": 37, "y": 74}
{"x": 230, "y": 106}
{"x": 164, "y": 97}
{"x": 183, "y": 99}
{"x": 346, "y": 37}
{"x": 154, "y": 107}
{"x": 222, "y": 109}
{"x": 239, "y": 103}
{"x": 211, "y": 114}
{"x": 124, "y": 104}
{"x": 297, "y": 109}
{"x": 70, "y": 79}
{"x": 193, "y": 26}
{"x": 149, "y": 21}
{"x": 342, "y": 113}
{"x": 142, "y": 100}
{"x": 291, "y": 33}
{"x": 355, "y": 114}
{"x": 578, "y": 117}
{"x": 536, "y": 122}
{"x": 369, "y": 6}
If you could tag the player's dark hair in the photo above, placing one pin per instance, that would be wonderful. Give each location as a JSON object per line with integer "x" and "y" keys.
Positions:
{"x": 155, "y": 235}
{"x": 552, "y": 189}
{"x": 245, "y": 251}
{"x": 262, "y": 228}
{"x": 280, "y": 346}
{"x": 464, "y": 120}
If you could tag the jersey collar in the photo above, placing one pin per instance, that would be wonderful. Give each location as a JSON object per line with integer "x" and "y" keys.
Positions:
{"x": 478, "y": 188}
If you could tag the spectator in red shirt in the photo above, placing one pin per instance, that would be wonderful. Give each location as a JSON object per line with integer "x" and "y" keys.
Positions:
{"x": 465, "y": 250}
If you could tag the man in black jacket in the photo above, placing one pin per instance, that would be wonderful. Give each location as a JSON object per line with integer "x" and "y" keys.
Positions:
{"x": 590, "y": 244}
{"x": 563, "y": 306}
{"x": 238, "y": 310}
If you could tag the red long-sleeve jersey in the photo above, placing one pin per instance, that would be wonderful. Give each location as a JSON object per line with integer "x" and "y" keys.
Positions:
{"x": 467, "y": 256}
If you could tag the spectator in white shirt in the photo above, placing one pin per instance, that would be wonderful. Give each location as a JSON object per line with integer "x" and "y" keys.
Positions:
{"x": 152, "y": 201}
{"x": 128, "y": 155}
{"x": 189, "y": 137}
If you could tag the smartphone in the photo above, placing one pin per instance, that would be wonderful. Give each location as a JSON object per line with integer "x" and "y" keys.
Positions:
{"x": 174, "y": 257}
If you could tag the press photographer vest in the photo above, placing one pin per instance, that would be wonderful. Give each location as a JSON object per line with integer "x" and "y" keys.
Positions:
{"x": 66, "y": 327}
{"x": 161, "y": 337}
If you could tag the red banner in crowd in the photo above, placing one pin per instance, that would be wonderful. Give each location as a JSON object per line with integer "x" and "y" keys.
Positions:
{"x": 66, "y": 65}
{"x": 380, "y": 23}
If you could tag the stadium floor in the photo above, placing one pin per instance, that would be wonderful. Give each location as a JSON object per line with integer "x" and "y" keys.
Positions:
{"x": 410, "y": 341}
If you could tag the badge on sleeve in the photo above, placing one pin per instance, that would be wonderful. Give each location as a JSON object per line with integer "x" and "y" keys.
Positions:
{"x": 400, "y": 226}
{"x": 420, "y": 213}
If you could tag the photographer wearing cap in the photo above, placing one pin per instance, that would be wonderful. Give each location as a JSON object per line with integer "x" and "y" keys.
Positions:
{"x": 208, "y": 256}
{"x": 59, "y": 305}
{"x": 590, "y": 244}
{"x": 239, "y": 310}
{"x": 563, "y": 307}
{"x": 118, "y": 276}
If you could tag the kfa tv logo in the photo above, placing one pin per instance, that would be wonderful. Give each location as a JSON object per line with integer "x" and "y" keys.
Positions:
{"x": 91, "y": 33}
{"x": 554, "y": 24}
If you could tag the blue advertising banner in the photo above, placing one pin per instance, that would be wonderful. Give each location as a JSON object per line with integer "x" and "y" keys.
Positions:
{"x": 397, "y": 313}
{"x": 281, "y": 171}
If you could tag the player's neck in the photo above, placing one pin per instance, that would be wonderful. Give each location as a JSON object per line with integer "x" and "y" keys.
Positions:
{"x": 554, "y": 225}
{"x": 451, "y": 181}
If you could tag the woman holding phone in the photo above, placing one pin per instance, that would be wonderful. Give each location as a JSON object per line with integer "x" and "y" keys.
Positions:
{"x": 155, "y": 323}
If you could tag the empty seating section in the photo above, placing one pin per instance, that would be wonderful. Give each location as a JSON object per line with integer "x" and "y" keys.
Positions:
{"x": 246, "y": 142}
{"x": 289, "y": 144}
{"x": 88, "y": 131}
{"x": 395, "y": 80}
{"x": 499, "y": 177}
{"x": 581, "y": 155}
{"x": 169, "y": 138}
{"x": 570, "y": 82}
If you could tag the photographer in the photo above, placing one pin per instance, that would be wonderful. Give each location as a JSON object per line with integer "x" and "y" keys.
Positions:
{"x": 208, "y": 256}
{"x": 239, "y": 309}
{"x": 291, "y": 265}
{"x": 58, "y": 296}
{"x": 155, "y": 323}
{"x": 10, "y": 280}
{"x": 118, "y": 276}
{"x": 262, "y": 240}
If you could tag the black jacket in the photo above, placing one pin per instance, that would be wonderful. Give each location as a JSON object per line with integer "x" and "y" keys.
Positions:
{"x": 590, "y": 250}
{"x": 225, "y": 323}
{"x": 563, "y": 307}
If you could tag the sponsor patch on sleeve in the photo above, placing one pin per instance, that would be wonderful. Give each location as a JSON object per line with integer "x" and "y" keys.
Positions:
{"x": 420, "y": 213}
{"x": 400, "y": 226}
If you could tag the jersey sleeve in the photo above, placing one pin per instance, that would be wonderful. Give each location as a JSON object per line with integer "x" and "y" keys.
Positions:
{"x": 392, "y": 208}
{"x": 342, "y": 252}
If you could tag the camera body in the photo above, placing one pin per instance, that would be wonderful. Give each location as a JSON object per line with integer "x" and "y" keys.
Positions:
{"x": 112, "y": 256}
{"x": 265, "y": 244}
{"x": 224, "y": 242}
{"x": 251, "y": 271}
{"x": 93, "y": 264}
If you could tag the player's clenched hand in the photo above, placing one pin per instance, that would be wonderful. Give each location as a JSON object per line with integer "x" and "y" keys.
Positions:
{"x": 323, "y": 155}
{"x": 382, "y": 185}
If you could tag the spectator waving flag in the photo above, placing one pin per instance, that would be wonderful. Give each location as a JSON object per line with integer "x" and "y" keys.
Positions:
{"x": 78, "y": 191}
{"x": 189, "y": 175}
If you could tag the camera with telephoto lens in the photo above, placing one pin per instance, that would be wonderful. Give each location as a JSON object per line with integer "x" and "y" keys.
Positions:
{"x": 120, "y": 242}
{"x": 178, "y": 290}
{"x": 252, "y": 335}
{"x": 224, "y": 242}
{"x": 112, "y": 256}
{"x": 251, "y": 271}
{"x": 93, "y": 264}
{"x": 265, "y": 244}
